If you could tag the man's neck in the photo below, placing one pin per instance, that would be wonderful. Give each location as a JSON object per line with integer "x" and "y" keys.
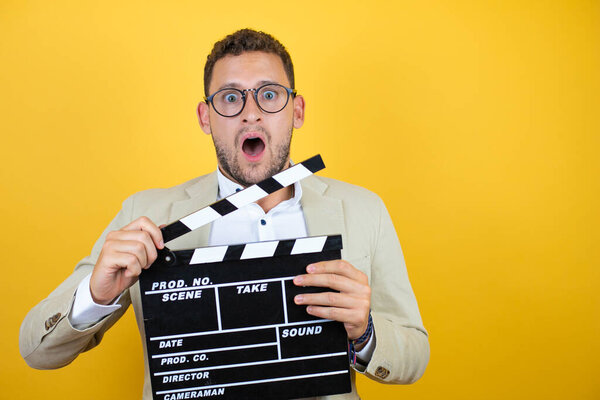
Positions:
{"x": 269, "y": 202}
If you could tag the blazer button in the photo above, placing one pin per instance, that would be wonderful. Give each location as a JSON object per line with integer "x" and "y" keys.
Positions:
{"x": 382, "y": 373}
{"x": 50, "y": 322}
{"x": 55, "y": 318}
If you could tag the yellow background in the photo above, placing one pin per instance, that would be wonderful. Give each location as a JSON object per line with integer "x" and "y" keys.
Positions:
{"x": 477, "y": 122}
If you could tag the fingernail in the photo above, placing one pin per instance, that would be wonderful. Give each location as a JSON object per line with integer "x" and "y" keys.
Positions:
{"x": 310, "y": 268}
{"x": 298, "y": 279}
{"x": 298, "y": 299}
{"x": 309, "y": 309}
{"x": 161, "y": 244}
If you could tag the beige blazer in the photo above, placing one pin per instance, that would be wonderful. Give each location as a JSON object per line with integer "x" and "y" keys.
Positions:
{"x": 47, "y": 340}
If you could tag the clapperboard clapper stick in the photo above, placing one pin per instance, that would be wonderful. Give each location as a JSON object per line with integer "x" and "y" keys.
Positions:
{"x": 221, "y": 322}
{"x": 237, "y": 200}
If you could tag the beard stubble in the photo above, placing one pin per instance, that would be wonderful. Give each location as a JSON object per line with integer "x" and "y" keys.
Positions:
{"x": 253, "y": 173}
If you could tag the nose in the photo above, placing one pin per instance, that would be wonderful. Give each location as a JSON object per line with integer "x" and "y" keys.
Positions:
{"x": 251, "y": 112}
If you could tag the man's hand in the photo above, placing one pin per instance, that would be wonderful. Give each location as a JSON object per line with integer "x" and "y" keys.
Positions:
{"x": 124, "y": 254}
{"x": 350, "y": 306}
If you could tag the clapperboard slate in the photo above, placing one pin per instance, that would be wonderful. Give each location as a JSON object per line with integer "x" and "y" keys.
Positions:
{"x": 221, "y": 321}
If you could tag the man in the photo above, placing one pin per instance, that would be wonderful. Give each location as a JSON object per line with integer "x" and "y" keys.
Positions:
{"x": 250, "y": 111}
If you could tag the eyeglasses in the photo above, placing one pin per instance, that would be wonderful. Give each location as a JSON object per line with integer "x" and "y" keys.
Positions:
{"x": 270, "y": 98}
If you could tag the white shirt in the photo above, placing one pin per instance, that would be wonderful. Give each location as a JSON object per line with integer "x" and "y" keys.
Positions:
{"x": 251, "y": 223}
{"x": 245, "y": 225}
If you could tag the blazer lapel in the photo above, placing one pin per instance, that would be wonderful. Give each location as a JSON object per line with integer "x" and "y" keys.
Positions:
{"x": 201, "y": 194}
{"x": 324, "y": 215}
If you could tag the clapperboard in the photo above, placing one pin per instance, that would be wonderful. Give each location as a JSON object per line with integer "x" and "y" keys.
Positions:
{"x": 221, "y": 321}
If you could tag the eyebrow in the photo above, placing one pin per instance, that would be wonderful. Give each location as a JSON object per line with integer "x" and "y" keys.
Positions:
{"x": 236, "y": 85}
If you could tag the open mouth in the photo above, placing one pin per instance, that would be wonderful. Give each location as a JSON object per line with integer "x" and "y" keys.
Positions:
{"x": 253, "y": 146}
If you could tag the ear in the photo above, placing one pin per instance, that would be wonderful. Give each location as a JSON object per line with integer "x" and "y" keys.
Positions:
{"x": 203, "y": 117}
{"x": 298, "y": 111}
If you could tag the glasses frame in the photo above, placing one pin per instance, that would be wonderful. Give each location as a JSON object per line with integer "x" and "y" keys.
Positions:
{"x": 290, "y": 92}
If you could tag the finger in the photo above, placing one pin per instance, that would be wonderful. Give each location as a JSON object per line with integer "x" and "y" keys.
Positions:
{"x": 133, "y": 268}
{"x": 332, "y": 281}
{"x": 137, "y": 248}
{"x": 146, "y": 225}
{"x": 113, "y": 238}
{"x": 332, "y": 299}
{"x": 124, "y": 261}
{"x": 353, "y": 323}
{"x": 335, "y": 314}
{"x": 338, "y": 267}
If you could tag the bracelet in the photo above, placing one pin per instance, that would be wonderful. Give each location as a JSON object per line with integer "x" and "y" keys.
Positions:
{"x": 360, "y": 340}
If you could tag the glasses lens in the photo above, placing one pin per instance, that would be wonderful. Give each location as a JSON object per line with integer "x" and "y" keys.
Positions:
{"x": 228, "y": 101}
{"x": 272, "y": 98}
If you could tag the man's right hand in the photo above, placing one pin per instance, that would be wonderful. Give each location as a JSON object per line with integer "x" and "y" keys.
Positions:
{"x": 124, "y": 254}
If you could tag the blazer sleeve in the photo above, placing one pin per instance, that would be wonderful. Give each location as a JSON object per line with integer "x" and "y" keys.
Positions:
{"x": 402, "y": 347}
{"x": 46, "y": 338}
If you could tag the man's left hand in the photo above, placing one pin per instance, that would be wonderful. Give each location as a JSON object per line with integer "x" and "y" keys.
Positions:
{"x": 350, "y": 306}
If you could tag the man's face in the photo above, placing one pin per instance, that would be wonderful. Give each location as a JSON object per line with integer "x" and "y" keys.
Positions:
{"x": 253, "y": 145}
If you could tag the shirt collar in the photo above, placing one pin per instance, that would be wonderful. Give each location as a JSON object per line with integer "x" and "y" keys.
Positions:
{"x": 227, "y": 187}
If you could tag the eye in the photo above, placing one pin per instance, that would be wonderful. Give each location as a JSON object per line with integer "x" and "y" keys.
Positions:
{"x": 231, "y": 97}
{"x": 269, "y": 94}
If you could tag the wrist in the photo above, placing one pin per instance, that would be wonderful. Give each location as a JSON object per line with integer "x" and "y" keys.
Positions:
{"x": 99, "y": 300}
{"x": 355, "y": 345}
{"x": 364, "y": 338}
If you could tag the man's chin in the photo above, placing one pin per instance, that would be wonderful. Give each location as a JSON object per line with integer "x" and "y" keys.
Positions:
{"x": 255, "y": 172}
{"x": 252, "y": 179}
{"x": 247, "y": 173}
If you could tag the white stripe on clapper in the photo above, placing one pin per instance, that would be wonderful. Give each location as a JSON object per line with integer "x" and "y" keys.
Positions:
{"x": 259, "y": 249}
{"x": 208, "y": 254}
{"x": 200, "y": 218}
{"x": 284, "y": 296}
{"x": 292, "y": 174}
{"x": 278, "y": 343}
{"x": 218, "y": 306}
{"x": 247, "y": 196}
{"x": 309, "y": 245}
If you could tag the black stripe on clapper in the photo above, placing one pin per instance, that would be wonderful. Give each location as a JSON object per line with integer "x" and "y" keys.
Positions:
{"x": 174, "y": 230}
{"x": 333, "y": 242}
{"x": 234, "y": 252}
{"x": 314, "y": 164}
{"x": 223, "y": 207}
{"x": 270, "y": 185}
{"x": 284, "y": 247}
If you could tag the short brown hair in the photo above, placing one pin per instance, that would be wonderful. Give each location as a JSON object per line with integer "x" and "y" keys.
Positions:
{"x": 242, "y": 41}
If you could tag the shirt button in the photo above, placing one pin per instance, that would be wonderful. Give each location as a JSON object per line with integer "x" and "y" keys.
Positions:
{"x": 263, "y": 222}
